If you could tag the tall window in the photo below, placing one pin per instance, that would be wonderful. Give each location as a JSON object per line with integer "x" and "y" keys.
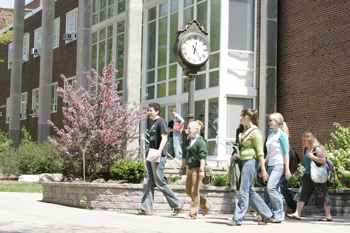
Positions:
{"x": 8, "y": 104}
{"x": 26, "y": 47}
{"x": 35, "y": 102}
{"x": 105, "y": 9}
{"x": 56, "y": 35}
{"x": 241, "y": 24}
{"x": 120, "y": 55}
{"x": 72, "y": 23}
{"x": 37, "y": 39}
{"x": 23, "y": 111}
{"x": 9, "y": 57}
{"x": 54, "y": 97}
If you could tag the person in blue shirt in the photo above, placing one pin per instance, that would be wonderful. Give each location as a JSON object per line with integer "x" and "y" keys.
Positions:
{"x": 312, "y": 153}
{"x": 277, "y": 162}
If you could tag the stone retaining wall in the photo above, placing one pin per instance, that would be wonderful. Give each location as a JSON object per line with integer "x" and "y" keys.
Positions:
{"x": 127, "y": 198}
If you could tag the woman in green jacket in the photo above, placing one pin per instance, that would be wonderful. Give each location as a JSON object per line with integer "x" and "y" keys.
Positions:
{"x": 199, "y": 146}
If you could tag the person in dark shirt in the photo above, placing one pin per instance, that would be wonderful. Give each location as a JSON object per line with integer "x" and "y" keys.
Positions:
{"x": 202, "y": 119}
{"x": 154, "y": 171}
{"x": 171, "y": 142}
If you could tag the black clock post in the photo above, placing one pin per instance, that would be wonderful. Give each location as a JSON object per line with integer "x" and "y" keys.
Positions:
{"x": 191, "y": 51}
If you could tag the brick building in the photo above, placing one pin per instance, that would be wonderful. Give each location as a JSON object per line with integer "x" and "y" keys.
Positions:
{"x": 303, "y": 67}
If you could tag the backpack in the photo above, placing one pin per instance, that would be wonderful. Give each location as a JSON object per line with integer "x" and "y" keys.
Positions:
{"x": 294, "y": 160}
{"x": 332, "y": 174}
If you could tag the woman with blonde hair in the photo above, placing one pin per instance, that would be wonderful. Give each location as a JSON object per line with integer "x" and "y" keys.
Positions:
{"x": 312, "y": 153}
{"x": 277, "y": 162}
{"x": 195, "y": 146}
{"x": 252, "y": 153}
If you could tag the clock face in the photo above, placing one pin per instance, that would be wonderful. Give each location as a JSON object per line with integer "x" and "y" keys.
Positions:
{"x": 195, "y": 49}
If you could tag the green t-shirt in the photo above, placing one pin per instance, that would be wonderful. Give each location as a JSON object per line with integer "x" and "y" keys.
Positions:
{"x": 252, "y": 146}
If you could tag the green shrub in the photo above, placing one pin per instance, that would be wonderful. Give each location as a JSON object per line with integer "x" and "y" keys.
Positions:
{"x": 338, "y": 151}
{"x": 295, "y": 180}
{"x": 175, "y": 178}
{"x": 221, "y": 180}
{"x": 30, "y": 158}
{"x": 5, "y": 143}
{"x": 128, "y": 169}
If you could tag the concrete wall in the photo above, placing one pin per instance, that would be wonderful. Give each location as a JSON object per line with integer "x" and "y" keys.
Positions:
{"x": 127, "y": 198}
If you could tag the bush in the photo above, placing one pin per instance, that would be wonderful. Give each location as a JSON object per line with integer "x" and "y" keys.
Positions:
{"x": 5, "y": 143}
{"x": 128, "y": 169}
{"x": 295, "y": 180}
{"x": 30, "y": 158}
{"x": 221, "y": 180}
{"x": 175, "y": 178}
{"x": 338, "y": 151}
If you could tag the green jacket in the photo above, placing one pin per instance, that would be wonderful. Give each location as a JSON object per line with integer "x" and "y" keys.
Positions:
{"x": 200, "y": 147}
{"x": 252, "y": 145}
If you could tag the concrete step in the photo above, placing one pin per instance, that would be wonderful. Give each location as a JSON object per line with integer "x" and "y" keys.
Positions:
{"x": 170, "y": 170}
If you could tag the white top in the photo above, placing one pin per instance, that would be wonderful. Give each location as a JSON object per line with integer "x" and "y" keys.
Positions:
{"x": 277, "y": 147}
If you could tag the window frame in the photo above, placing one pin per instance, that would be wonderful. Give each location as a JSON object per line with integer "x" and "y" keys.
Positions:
{"x": 9, "y": 57}
{"x": 26, "y": 46}
{"x": 54, "y": 103}
{"x": 24, "y": 113}
{"x": 56, "y": 33}
{"x": 37, "y": 40}
{"x": 72, "y": 15}
{"x": 8, "y": 105}
{"x": 34, "y": 91}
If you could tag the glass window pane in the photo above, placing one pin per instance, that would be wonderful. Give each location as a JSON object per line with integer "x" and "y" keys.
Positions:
{"x": 215, "y": 25}
{"x": 121, "y": 6}
{"x": 120, "y": 85}
{"x": 110, "y": 2}
{"x": 188, "y": 15}
{"x": 212, "y": 148}
{"x": 110, "y": 11}
{"x": 162, "y": 112}
{"x": 95, "y": 19}
{"x": 174, "y": 5}
{"x": 110, "y": 31}
{"x": 214, "y": 60}
{"x": 170, "y": 116}
{"x": 161, "y": 90}
{"x": 102, "y": 34}
{"x": 200, "y": 82}
{"x": 185, "y": 85}
{"x": 103, "y": 4}
{"x": 94, "y": 37}
{"x": 172, "y": 71}
{"x": 103, "y": 15}
{"x": 150, "y": 77}
{"x": 214, "y": 79}
{"x": 162, "y": 74}
{"x": 121, "y": 26}
{"x": 202, "y": 13}
{"x": 213, "y": 119}
{"x": 150, "y": 91}
{"x": 109, "y": 50}
{"x": 102, "y": 58}
{"x": 152, "y": 13}
{"x": 162, "y": 41}
{"x": 184, "y": 113}
{"x": 120, "y": 55}
{"x": 172, "y": 88}
{"x": 94, "y": 56}
{"x": 241, "y": 25}
{"x": 188, "y": 2}
{"x": 173, "y": 29}
{"x": 151, "y": 45}
{"x": 199, "y": 109}
{"x": 95, "y": 7}
{"x": 163, "y": 9}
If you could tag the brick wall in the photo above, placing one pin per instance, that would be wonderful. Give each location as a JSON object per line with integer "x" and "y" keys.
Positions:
{"x": 127, "y": 198}
{"x": 313, "y": 66}
{"x": 64, "y": 60}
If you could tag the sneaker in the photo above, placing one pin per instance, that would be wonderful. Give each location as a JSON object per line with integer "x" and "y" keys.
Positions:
{"x": 177, "y": 210}
{"x": 264, "y": 221}
{"x": 230, "y": 223}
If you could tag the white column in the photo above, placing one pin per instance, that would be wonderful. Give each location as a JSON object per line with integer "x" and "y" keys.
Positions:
{"x": 16, "y": 72}
{"x": 46, "y": 58}
{"x": 132, "y": 59}
{"x": 84, "y": 43}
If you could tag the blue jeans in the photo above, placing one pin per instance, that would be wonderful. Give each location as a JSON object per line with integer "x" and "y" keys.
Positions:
{"x": 247, "y": 195}
{"x": 177, "y": 146}
{"x": 171, "y": 147}
{"x": 286, "y": 193}
{"x": 154, "y": 175}
{"x": 274, "y": 191}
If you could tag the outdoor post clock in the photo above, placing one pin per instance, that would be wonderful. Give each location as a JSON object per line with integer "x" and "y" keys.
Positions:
{"x": 191, "y": 51}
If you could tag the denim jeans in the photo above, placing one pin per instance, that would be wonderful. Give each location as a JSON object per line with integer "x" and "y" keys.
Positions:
{"x": 274, "y": 191}
{"x": 154, "y": 175}
{"x": 247, "y": 195}
{"x": 177, "y": 146}
{"x": 286, "y": 193}
{"x": 171, "y": 147}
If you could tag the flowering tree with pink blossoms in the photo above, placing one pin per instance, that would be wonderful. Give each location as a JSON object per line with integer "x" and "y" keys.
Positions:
{"x": 96, "y": 123}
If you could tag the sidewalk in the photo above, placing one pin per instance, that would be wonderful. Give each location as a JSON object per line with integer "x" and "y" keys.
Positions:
{"x": 24, "y": 212}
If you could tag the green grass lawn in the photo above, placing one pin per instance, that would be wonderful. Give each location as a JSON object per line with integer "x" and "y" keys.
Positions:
{"x": 21, "y": 188}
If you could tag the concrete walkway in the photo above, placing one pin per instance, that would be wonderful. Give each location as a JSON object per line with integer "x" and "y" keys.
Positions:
{"x": 24, "y": 212}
